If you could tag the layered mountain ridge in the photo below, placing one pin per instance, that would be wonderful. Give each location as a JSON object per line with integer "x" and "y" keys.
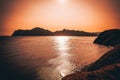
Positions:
{"x": 43, "y": 32}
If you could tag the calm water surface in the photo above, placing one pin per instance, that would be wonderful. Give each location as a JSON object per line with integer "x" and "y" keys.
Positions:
{"x": 46, "y": 58}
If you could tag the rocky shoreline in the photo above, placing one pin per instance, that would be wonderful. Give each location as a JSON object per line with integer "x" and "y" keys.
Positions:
{"x": 108, "y": 66}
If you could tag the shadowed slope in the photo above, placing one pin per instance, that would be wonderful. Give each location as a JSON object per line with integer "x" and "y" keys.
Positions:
{"x": 109, "y": 37}
{"x": 108, "y": 66}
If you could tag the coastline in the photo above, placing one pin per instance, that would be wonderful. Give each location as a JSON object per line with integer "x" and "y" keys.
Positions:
{"x": 108, "y": 66}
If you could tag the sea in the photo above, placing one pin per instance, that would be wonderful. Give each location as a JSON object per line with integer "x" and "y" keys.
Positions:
{"x": 46, "y": 57}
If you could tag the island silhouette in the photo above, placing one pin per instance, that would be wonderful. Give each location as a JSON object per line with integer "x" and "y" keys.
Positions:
{"x": 37, "y": 31}
{"x": 107, "y": 67}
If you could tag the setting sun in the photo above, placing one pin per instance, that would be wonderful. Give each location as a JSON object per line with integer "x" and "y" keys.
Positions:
{"x": 62, "y": 1}
{"x": 85, "y": 15}
{"x": 59, "y": 39}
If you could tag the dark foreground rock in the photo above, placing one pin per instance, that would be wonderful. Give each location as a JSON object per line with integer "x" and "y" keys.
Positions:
{"x": 111, "y": 72}
{"x": 109, "y": 37}
{"x": 111, "y": 57}
{"x": 108, "y": 66}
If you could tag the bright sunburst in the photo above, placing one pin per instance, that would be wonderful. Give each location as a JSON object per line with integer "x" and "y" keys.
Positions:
{"x": 62, "y": 1}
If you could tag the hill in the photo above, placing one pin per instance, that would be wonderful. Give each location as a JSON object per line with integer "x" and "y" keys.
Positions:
{"x": 33, "y": 32}
{"x": 43, "y": 32}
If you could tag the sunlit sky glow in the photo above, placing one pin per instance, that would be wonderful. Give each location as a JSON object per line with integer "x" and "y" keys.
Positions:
{"x": 86, "y": 15}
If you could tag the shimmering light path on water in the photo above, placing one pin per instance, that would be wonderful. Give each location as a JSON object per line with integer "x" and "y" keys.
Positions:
{"x": 46, "y": 58}
{"x": 62, "y": 62}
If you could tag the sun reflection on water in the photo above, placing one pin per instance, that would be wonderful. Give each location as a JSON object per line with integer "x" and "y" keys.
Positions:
{"x": 62, "y": 62}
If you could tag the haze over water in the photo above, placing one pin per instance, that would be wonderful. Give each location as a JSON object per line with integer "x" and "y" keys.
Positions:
{"x": 46, "y": 58}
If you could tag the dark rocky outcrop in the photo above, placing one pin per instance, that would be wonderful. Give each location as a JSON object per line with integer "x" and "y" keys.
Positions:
{"x": 111, "y": 57}
{"x": 111, "y": 72}
{"x": 108, "y": 66}
{"x": 42, "y": 32}
{"x": 109, "y": 37}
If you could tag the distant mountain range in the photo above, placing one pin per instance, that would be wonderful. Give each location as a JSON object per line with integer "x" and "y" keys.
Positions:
{"x": 43, "y": 32}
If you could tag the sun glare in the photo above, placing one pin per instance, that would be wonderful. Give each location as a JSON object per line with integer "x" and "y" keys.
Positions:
{"x": 64, "y": 66}
{"x": 55, "y": 15}
{"x": 62, "y": 1}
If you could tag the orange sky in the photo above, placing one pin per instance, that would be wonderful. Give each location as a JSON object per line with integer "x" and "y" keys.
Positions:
{"x": 87, "y": 15}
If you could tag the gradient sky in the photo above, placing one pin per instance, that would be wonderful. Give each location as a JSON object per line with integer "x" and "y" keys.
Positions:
{"x": 86, "y": 15}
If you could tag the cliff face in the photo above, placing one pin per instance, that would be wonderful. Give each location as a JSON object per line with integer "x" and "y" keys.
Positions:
{"x": 108, "y": 66}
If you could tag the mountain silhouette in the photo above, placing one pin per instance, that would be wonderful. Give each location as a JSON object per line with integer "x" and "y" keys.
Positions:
{"x": 33, "y": 32}
{"x": 43, "y": 32}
